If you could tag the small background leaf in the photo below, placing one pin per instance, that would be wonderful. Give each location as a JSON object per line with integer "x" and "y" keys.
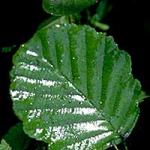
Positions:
{"x": 66, "y": 7}
{"x": 16, "y": 138}
{"x": 8, "y": 49}
{"x": 102, "y": 10}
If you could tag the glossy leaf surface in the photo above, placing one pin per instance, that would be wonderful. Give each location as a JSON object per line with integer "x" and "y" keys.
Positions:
{"x": 73, "y": 88}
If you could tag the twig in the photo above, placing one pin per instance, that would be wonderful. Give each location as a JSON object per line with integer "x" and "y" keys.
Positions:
{"x": 115, "y": 146}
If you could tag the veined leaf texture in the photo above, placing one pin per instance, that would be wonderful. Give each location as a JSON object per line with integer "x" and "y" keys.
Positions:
{"x": 73, "y": 89}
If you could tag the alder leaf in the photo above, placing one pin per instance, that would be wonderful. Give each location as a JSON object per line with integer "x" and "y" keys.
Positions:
{"x": 66, "y": 7}
{"x": 73, "y": 89}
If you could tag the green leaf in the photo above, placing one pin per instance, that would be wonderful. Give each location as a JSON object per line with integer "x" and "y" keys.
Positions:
{"x": 73, "y": 88}
{"x": 8, "y": 49}
{"x": 102, "y": 10}
{"x": 66, "y": 7}
{"x": 16, "y": 138}
{"x": 4, "y": 145}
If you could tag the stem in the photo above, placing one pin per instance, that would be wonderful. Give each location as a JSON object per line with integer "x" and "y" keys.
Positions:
{"x": 100, "y": 25}
{"x": 125, "y": 145}
{"x": 115, "y": 146}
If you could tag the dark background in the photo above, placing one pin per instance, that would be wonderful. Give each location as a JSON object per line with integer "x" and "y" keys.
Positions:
{"x": 19, "y": 19}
